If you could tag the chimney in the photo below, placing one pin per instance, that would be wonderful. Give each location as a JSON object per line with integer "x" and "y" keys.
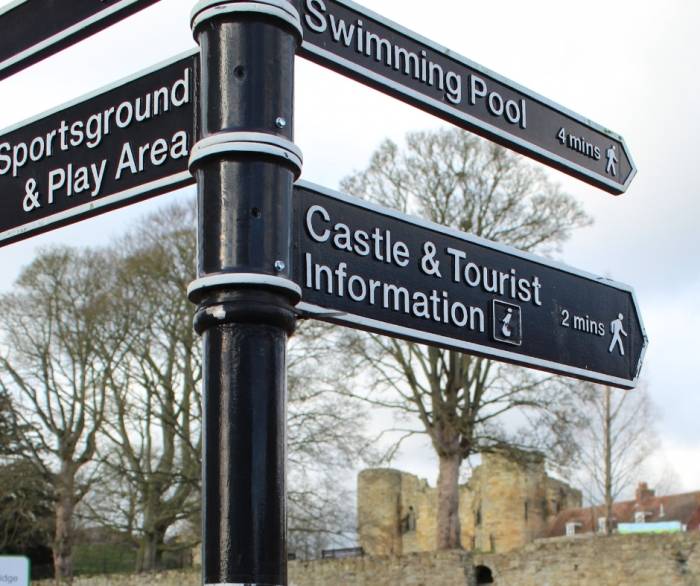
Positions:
{"x": 643, "y": 493}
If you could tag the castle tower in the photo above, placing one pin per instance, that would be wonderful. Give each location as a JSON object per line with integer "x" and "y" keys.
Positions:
{"x": 379, "y": 510}
{"x": 510, "y": 500}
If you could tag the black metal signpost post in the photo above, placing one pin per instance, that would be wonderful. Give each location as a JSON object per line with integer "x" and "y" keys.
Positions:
{"x": 245, "y": 163}
{"x": 356, "y": 42}
{"x": 35, "y": 29}
{"x": 377, "y": 269}
{"x": 114, "y": 147}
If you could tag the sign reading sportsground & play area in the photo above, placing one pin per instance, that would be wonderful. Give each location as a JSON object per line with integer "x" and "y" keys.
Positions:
{"x": 116, "y": 146}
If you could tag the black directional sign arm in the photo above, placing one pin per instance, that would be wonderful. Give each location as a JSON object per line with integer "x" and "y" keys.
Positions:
{"x": 376, "y": 269}
{"x": 360, "y": 44}
{"x": 31, "y": 30}
{"x": 113, "y": 147}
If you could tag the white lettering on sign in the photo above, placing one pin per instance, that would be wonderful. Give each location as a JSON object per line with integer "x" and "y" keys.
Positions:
{"x": 73, "y": 180}
{"x": 135, "y": 160}
{"x": 514, "y": 112}
{"x": 380, "y": 244}
{"x": 92, "y": 130}
{"x": 433, "y": 305}
{"x": 377, "y": 243}
{"x": 579, "y": 143}
{"x": 417, "y": 65}
{"x": 505, "y": 284}
{"x": 581, "y": 323}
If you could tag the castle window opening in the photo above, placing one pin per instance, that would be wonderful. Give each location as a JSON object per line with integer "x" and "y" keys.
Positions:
{"x": 483, "y": 575}
{"x": 408, "y": 523}
{"x": 602, "y": 524}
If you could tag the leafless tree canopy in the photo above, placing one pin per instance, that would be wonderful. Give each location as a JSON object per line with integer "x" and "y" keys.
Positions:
{"x": 616, "y": 440}
{"x": 465, "y": 404}
{"x": 153, "y": 427}
{"x": 456, "y": 179}
{"x": 61, "y": 346}
{"x": 101, "y": 373}
{"x": 326, "y": 441}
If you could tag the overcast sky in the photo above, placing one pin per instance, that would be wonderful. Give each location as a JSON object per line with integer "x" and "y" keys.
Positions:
{"x": 630, "y": 66}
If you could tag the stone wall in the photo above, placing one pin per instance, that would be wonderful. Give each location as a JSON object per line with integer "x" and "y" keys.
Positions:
{"x": 511, "y": 497}
{"x": 449, "y": 568}
{"x": 617, "y": 560}
{"x": 379, "y": 510}
{"x": 175, "y": 578}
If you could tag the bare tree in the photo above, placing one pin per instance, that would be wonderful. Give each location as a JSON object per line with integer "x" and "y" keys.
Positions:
{"x": 152, "y": 458}
{"x": 61, "y": 346}
{"x": 326, "y": 441}
{"x": 154, "y": 421}
{"x": 465, "y": 404}
{"x": 614, "y": 443}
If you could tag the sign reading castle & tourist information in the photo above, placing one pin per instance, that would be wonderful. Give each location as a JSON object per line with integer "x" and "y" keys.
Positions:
{"x": 358, "y": 43}
{"x": 108, "y": 149}
{"x": 377, "y": 269}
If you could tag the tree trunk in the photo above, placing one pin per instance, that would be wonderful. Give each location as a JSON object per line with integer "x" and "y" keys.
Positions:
{"x": 63, "y": 537}
{"x": 151, "y": 551}
{"x": 150, "y": 547}
{"x": 448, "y": 532}
{"x": 607, "y": 448}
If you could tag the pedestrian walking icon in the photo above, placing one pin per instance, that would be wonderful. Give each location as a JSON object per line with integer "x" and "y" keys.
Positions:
{"x": 616, "y": 330}
{"x": 611, "y": 155}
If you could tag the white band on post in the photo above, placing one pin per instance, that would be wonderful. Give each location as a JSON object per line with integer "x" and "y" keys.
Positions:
{"x": 252, "y": 142}
{"x": 255, "y": 279}
{"x": 207, "y": 9}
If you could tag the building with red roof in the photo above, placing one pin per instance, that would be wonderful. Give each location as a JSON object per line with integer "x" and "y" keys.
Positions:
{"x": 645, "y": 508}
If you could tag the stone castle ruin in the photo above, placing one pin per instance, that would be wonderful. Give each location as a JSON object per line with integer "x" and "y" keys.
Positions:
{"x": 507, "y": 503}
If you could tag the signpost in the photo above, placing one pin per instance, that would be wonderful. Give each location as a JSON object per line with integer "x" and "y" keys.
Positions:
{"x": 376, "y": 269}
{"x": 350, "y": 261}
{"x": 358, "y": 43}
{"x": 35, "y": 29}
{"x": 245, "y": 163}
{"x": 114, "y": 147}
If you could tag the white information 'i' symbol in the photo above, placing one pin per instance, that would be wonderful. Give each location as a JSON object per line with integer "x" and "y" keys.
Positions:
{"x": 505, "y": 324}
